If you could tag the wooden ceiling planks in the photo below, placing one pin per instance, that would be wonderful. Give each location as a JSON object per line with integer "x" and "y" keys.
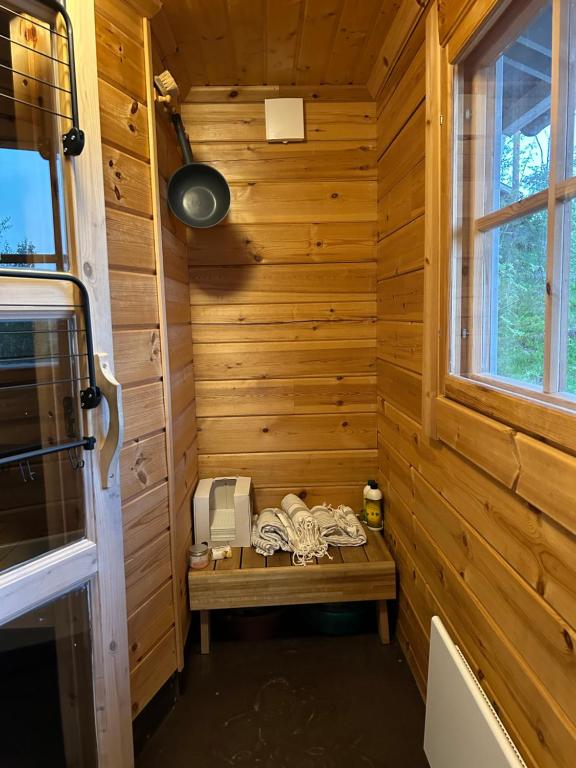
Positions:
{"x": 278, "y": 42}
{"x": 283, "y": 25}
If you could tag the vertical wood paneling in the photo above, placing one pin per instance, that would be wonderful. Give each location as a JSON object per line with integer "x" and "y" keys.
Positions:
{"x": 258, "y": 42}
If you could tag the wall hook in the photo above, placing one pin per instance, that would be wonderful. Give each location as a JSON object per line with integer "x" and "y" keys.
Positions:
{"x": 75, "y": 461}
{"x": 26, "y": 471}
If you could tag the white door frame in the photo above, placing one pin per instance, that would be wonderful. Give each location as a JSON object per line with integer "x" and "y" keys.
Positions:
{"x": 99, "y": 558}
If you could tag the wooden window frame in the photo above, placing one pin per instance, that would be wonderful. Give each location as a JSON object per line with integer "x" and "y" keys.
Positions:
{"x": 543, "y": 414}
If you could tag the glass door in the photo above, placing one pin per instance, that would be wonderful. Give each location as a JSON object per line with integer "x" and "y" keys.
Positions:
{"x": 64, "y": 698}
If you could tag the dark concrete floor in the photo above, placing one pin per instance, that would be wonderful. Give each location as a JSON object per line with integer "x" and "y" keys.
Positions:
{"x": 304, "y": 702}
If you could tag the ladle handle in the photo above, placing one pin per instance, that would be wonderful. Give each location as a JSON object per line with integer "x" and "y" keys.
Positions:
{"x": 182, "y": 138}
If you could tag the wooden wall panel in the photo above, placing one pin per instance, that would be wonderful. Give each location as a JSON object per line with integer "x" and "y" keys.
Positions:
{"x": 481, "y": 520}
{"x": 324, "y": 122}
{"x": 315, "y": 243}
{"x": 284, "y": 322}
{"x": 138, "y": 316}
{"x": 270, "y": 360}
{"x": 248, "y": 434}
{"x": 251, "y": 397}
{"x": 281, "y": 283}
{"x": 181, "y": 400}
{"x": 152, "y": 672}
{"x": 283, "y": 301}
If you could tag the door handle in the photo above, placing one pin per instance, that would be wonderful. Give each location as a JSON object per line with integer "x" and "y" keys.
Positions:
{"x": 111, "y": 444}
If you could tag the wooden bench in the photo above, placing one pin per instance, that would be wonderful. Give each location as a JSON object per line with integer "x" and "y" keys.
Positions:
{"x": 249, "y": 580}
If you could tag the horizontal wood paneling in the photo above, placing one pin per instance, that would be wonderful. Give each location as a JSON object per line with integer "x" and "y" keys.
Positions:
{"x": 145, "y": 518}
{"x": 251, "y": 397}
{"x": 283, "y": 300}
{"x": 402, "y": 102}
{"x": 269, "y": 360}
{"x": 143, "y": 410}
{"x": 147, "y": 570}
{"x": 134, "y": 299}
{"x": 124, "y": 121}
{"x": 401, "y": 343}
{"x": 351, "y": 495}
{"x": 308, "y": 202}
{"x": 401, "y": 298}
{"x": 281, "y": 283}
{"x": 324, "y": 122}
{"x": 142, "y": 464}
{"x": 137, "y": 355}
{"x": 309, "y": 160}
{"x": 314, "y": 243}
{"x": 293, "y": 469}
{"x": 403, "y": 203}
{"x": 130, "y": 241}
{"x": 401, "y": 387}
{"x": 402, "y": 251}
{"x": 120, "y": 54}
{"x": 244, "y": 434}
{"x": 283, "y": 322}
{"x": 152, "y": 672}
{"x": 126, "y": 181}
{"x": 150, "y": 623}
{"x": 481, "y": 520}
{"x": 181, "y": 402}
{"x": 405, "y": 151}
{"x": 247, "y": 94}
{"x": 136, "y": 315}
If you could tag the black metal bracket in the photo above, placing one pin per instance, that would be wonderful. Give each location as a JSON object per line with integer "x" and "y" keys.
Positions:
{"x": 91, "y": 396}
{"x": 73, "y": 140}
{"x": 6, "y": 457}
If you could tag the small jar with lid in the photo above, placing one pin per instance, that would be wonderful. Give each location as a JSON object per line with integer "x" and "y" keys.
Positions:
{"x": 199, "y": 556}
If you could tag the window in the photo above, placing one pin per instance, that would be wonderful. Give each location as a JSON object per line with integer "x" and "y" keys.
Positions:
{"x": 33, "y": 115}
{"x": 514, "y": 257}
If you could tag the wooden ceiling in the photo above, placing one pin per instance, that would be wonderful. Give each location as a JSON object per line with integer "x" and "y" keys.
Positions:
{"x": 275, "y": 42}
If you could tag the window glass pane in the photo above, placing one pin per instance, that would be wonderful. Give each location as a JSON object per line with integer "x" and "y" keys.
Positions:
{"x": 517, "y": 306}
{"x": 571, "y": 298}
{"x": 46, "y": 696}
{"x": 32, "y": 228}
{"x": 571, "y": 137}
{"x": 41, "y": 499}
{"x": 519, "y": 90}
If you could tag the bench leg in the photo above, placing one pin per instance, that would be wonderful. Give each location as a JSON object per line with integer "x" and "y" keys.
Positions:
{"x": 383, "y": 626}
{"x": 204, "y": 632}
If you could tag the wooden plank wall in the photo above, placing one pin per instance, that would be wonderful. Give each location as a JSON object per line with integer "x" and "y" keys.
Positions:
{"x": 283, "y": 301}
{"x": 137, "y": 316}
{"x": 481, "y": 522}
{"x": 182, "y": 401}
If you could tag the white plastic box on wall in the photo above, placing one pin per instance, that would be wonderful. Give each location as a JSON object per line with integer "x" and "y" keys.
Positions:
{"x": 222, "y": 511}
{"x": 284, "y": 119}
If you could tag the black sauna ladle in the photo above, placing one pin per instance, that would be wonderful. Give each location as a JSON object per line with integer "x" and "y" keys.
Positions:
{"x": 197, "y": 193}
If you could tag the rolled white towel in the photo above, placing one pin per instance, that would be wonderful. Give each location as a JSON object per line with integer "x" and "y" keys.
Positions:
{"x": 339, "y": 527}
{"x": 272, "y": 530}
{"x": 309, "y": 542}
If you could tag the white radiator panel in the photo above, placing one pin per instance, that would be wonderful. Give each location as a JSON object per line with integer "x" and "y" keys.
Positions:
{"x": 462, "y": 729}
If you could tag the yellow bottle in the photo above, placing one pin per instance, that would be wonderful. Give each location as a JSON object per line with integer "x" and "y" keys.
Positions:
{"x": 367, "y": 487}
{"x": 373, "y": 507}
